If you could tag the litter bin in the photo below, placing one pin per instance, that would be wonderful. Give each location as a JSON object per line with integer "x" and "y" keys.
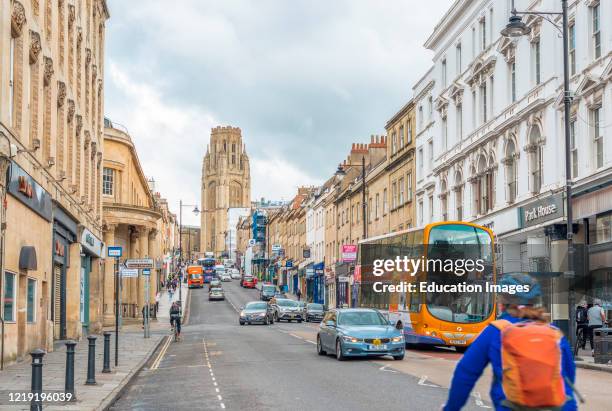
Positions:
{"x": 602, "y": 338}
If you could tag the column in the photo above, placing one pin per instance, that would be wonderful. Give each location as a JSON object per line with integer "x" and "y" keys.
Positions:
{"x": 108, "y": 298}
{"x": 131, "y": 284}
{"x": 144, "y": 252}
{"x": 73, "y": 293}
{"x": 155, "y": 255}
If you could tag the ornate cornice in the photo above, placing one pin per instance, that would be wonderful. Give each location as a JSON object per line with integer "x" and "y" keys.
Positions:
{"x": 61, "y": 93}
{"x": 18, "y": 19}
{"x": 35, "y": 46}
{"x": 71, "y": 15}
{"x": 79, "y": 124}
{"x": 87, "y": 55}
{"x": 48, "y": 70}
{"x": 71, "y": 110}
{"x": 79, "y": 35}
{"x": 87, "y": 139}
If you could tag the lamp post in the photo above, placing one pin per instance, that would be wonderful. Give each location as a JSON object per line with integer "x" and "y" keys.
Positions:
{"x": 196, "y": 211}
{"x": 514, "y": 29}
{"x": 341, "y": 173}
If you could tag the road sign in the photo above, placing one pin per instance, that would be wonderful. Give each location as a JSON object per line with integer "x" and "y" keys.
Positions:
{"x": 276, "y": 247}
{"x": 139, "y": 263}
{"x": 114, "y": 251}
{"x": 252, "y": 242}
{"x": 129, "y": 272}
{"x": 146, "y": 271}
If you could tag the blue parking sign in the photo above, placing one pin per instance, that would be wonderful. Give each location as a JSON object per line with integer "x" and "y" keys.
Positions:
{"x": 114, "y": 251}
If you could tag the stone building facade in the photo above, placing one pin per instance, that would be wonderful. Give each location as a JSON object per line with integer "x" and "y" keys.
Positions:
{"x": 226, "y": 183}
{"x": 51, "y": 110}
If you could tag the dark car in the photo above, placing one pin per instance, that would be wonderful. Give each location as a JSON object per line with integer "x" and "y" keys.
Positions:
{"x": 314, "y": 312}
{"x": 289, "y": 310}
{"x": 216, "y": 293}
{"x": 256, "y": 312}
{"x": 267, "y": 292}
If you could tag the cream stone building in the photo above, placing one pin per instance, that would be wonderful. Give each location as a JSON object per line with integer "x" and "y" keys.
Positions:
{"x": 226, "y": 183}
{"x": 132, "y": 220}
{"x": 51, "y": 105}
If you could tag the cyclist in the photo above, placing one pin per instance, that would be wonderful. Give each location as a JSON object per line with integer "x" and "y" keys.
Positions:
{"x": 175, "y": 317}
{"x": 487, "y": 348}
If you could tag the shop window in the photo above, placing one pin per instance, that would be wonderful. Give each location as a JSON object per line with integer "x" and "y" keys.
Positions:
{"x": 31, "y": 301}
{"x": 9, "y": 296}
{"x": 603, "y": 228}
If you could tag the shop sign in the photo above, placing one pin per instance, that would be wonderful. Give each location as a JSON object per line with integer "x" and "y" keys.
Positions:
{"x": 343, "y": 279}
{"x": 503, "y": 222}
{"x": 310, "y": 272}
{"x": 357, "y": 273}
{"x": 543, "y": 210}
{"x": 24, "y": 188}
{"x": 289, "y": 263}
{"x": 276, "y": 247}
{"x": 349, "y": 253}
{"x": 91, "y": 243}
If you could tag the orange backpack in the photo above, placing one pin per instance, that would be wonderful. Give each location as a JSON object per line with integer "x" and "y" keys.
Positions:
{"x": 531, "y": 365}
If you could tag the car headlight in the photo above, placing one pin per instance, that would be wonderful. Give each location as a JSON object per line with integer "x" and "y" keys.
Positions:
{"x": 397, "y": 339}
{"x": 350, "y": 339}
{"x": 242, "y": 314}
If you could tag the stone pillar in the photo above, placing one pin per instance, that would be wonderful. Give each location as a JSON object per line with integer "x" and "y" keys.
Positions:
{"x": 73, "y": 293}
{"x": 131, "y": 284}
{"x": 155, "y": 255}
{"x": 95, "y": 296}
{"x": 144, "y": 253}
{"x": 108, "y": 297}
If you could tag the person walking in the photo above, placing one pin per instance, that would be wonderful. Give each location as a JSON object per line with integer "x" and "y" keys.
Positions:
{"x": 582, "y": 322}
{"x": 298, "y": 294}
{"x": 596, "y": 319}
{"x": 518, "y": 365}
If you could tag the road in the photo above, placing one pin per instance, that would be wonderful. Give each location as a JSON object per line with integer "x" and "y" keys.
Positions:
{"x": 222, "y": 365}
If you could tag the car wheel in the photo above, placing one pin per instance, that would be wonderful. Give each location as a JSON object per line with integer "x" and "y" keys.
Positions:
{"x": 276, "y": 318}
{"x": 461, "y": 349}
{"x": 320, "y": 349}
{"x": 267, "y": 322}
{"x": 299, "y": 321}
{"x": 241, "y": 322}
{"x": 339, "y": 355}
{"x": 398, "y": 357}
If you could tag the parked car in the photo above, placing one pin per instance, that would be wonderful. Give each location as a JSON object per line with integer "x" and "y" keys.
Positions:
{"x": 267, "y": 292}
{"x": 314, "y": 312}
{"x": 235, "y": 274}
{"x": 256, "y": 312}
{"x": 280, "y": 294}
{"x": 359, "y": 332}
{"x": 248, "y": 282}
{"x": 302, "y": 305}
{"x": 289, "y": 310}
{"x": 216, "y": 293}
{"x": 225, "y": 277}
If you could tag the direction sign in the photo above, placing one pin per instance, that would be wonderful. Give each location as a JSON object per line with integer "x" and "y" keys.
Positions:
{"x": 146, "y": 272}
{"x": 114, "y": 251}
{"x": 139, "y": 263}
{"x": 129, "y": 272}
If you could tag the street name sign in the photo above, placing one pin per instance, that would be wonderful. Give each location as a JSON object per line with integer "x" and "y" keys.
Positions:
{"x": 129, "y": 272}
{"x": 139, "y": 263}
{"x": 114, "y": 251}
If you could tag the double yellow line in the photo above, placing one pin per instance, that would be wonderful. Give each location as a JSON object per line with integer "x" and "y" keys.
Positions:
{"x": 161, "y": 354}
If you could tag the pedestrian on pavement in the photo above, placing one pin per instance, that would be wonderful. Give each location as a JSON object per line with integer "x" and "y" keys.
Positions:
{"x": 298, "y": 294}
{"x": 596, "y": 319}
{"x": 582, "y": 322}
{"x": 506, "y": 338}
{"x": 157, "y": 298}
{"x": 170, "y": 292}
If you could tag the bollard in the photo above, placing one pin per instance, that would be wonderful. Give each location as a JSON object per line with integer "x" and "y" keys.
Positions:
{"x": 37, "y": 364}
{"x": 69, "y": 383}
{"x": 91, "y": 361}
{"x": 106, "y": 368}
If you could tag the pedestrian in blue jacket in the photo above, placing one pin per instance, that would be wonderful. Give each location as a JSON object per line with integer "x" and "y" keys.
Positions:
{"x": 487, "y": 349}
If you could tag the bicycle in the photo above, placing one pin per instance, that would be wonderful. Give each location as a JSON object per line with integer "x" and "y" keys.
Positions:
{"x": 175, "y": 330}
{"x": 580, "y": 340}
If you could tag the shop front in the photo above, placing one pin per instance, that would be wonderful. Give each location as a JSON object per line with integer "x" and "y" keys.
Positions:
{"x": 91, "y": 252}
{"x": 343, "y": 289}
{"x": 318, "y": 283}
{"x": 330, "y": 286}
{"x": 64, "y": 235}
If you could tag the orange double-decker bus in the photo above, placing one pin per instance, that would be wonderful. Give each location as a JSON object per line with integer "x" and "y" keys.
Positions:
{"x": 447, "y": 318}
{"x": 195, "y": 276}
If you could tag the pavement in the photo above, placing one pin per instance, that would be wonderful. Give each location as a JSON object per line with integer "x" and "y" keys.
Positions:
{"x": 134, "y": 352}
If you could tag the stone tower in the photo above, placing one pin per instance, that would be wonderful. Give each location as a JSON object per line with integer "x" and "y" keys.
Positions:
{"x": 226, "y": 183}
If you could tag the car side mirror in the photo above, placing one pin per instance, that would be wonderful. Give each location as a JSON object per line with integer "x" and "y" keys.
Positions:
{"x": 242, "y": 308}
{"x": 330, "y": 323}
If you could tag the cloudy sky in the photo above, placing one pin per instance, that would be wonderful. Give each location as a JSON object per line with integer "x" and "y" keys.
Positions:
{"x": 303, "y": 79}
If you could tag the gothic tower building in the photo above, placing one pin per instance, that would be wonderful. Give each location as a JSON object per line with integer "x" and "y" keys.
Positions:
{"x": 226, "y": 183}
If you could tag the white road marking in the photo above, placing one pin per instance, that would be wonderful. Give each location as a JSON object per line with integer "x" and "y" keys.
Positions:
{"x": 312, "y": 342}
{"x": 384, "y": 368}
{"x": 222, "y": 405}
{"x": 423, "y": 382}
{"x": 212, "y": 375}
{"x": 478, "y": 400}
{"x": 220, "y": 397}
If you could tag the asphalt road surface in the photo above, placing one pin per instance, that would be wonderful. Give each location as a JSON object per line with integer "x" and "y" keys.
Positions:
{"x": 222, "y": 365}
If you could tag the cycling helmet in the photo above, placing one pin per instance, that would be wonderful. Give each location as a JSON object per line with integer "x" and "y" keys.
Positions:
{"x": 510, "y": 295}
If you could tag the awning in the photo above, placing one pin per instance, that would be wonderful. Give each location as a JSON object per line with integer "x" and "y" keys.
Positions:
{"x": 27, "y": 258}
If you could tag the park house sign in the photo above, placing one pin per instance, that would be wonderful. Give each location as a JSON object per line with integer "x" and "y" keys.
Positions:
{"x": 543, "y": 210}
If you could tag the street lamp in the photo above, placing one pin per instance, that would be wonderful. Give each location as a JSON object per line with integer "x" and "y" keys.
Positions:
{"x": 341, "y": 173}
{"x": 196, "y": 211}
{"x": 516, "y": 28}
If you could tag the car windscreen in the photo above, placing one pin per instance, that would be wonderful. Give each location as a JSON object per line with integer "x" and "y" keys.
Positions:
{"x": 269, "y": 289}
{"x": 256, "y": 306}
{"x": 287, "y": 303}
{"x": 216, "y": 290}
{"x": 315, "y": 307}
{"x": 361, "y": 318}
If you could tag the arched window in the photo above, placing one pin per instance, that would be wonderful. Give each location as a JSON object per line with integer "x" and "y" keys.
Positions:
{"x": 511, "y": 171}
{"x": 444, "y": 200}
{"x": 535, "y": 159}
{"x": 459, "y": 196}
{"x": 235, "y": 194}
{"x": 490, "y": 183}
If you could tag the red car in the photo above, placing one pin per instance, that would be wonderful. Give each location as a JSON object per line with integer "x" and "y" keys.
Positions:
{"x": 249, "y": 282}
